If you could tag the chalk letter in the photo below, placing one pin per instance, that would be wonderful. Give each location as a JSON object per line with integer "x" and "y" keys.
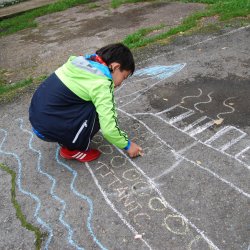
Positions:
{"x": 156, "y": 204}
{"x": 131, "y": 175}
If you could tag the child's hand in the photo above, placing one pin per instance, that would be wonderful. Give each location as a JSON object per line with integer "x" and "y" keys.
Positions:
{"x": 134, "y": 150}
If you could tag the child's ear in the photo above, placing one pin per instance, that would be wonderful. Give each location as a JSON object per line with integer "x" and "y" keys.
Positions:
{"x": 113, "y": 66}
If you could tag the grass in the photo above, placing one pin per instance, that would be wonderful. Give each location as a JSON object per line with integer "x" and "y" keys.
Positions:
{"x": 93, "y": 5}
{"x": 9, "y": 91}
{"x": 39, "y": 235}
{"x": 225, "y": 9}
{"x": 117, "y": 3}
{"x": 27, "y": 19}
{"x": 140, "y": 34}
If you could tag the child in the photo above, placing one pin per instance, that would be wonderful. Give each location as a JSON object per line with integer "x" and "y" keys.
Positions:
{"x": 74, "y": 102}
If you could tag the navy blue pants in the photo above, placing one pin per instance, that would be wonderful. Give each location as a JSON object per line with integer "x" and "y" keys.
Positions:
{"x": 58, "y": 115}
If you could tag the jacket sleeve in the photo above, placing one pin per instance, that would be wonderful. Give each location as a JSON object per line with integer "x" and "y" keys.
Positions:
{"x": 103, "y": 99}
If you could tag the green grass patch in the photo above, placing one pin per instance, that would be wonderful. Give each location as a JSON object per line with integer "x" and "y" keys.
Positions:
{"x": 39, "y": 235}
{"x": 225, "y": 9}
{"x": 8, "y": 91}
{"x": 117, "y": 3}
{"x": 93, "y": 5}
{"x": 139, "y": 35}
{"x": 27, "y": 19}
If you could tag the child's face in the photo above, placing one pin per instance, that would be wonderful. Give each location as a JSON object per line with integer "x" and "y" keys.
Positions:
{"x": 119, "y": 75}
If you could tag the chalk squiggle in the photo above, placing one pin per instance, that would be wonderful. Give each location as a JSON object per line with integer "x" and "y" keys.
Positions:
{"x": 39, "y": 168}
{"x": 210, "y": 99}
{"x": 229, "y": 112}
{"x": 190, "y": 96}
{"x": 33, "y": 196}
{"x": 86, "y": 198}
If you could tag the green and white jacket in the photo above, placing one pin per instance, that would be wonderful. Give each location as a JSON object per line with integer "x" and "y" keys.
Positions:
{"x": 92, "y": 81}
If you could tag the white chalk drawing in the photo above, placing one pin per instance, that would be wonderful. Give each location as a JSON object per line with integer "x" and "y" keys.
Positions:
{"x": 195, "y": 242}
{"x": 133, "y": 230}
{"x": 227, "y": 105}
{"x": 241, "y": 153}
{"x": 179, "y": 220}
{"x": 159, "y": 72}
{"x": 191, "y": 96}
{"x": 160, "y": 205}
{"x": 197, "y": 127}
{"x": 105, "y": 149}
{"x": 126, "y": 192}
{"x": 198, "y": 103}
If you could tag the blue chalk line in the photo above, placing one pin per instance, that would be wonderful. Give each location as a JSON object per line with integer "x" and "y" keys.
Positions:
{"x": 86, "y": 198}
{"x": 33, "y": 196}
{"x": 160, "y": 71}
{"x": 39, "y": 168}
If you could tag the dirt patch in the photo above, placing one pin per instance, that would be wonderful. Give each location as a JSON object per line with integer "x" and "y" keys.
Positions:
{"x": 39, "y": 51}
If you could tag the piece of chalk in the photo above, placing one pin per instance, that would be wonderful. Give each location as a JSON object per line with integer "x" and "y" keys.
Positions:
{"x": 138, "y": 236}
{"x": 141, "y": 154}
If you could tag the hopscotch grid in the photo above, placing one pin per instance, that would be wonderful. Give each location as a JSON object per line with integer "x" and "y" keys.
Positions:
{"x": 200, "y": 129}
{"x": 217, "y": 134}
{"x": 169, "y": 109}
{"x": 181, "y": 117}
{"x": 179, "y": 155}
{"x": 229, "y": 144}
{"x": 193, "y": 124}
{"x": 33, "y": 196}
{"x": 242, "y": 152}
{"x": 207, "y": 142}
{"x": 62, "y": 213}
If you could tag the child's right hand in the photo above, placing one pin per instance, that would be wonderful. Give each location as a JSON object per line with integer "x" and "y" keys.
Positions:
{"x": 134, "y": 150}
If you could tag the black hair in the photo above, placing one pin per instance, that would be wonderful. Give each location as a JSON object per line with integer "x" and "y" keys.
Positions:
{"x": 119, "y": 53}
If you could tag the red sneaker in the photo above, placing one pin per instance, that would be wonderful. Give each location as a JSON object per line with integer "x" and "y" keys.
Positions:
{"x": 82, "y": 156}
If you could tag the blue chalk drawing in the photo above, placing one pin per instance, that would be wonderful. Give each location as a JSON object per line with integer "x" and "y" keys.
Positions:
{"x": 33, "y": 196}
{"x": 160, "y": 71}
{"x": 39, "y": 168}
{"x": 91, "y": 209}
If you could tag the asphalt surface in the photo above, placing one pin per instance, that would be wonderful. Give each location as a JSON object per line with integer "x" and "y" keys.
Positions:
{"x": 187, "y": 105}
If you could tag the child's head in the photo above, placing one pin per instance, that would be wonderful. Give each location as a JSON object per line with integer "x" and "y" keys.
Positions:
{"x": 120, "y": 61}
